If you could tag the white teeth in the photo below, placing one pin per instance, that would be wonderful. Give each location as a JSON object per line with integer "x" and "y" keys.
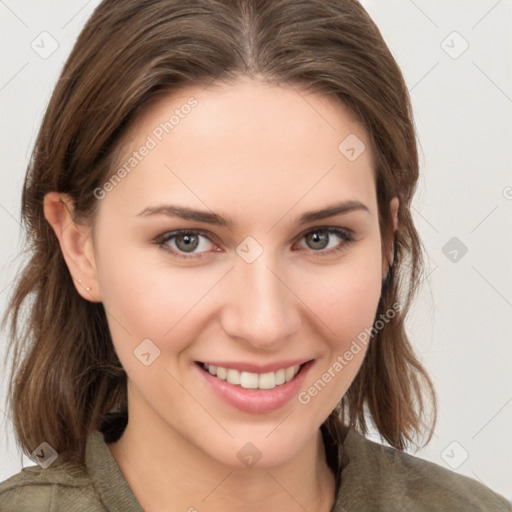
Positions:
{"x": 290, "y": 372}
{"x": 280, "y": 377}
{"x": 249, "y": 380}
{"x": 267, "y": 380}
{"x": 233, "y": 376}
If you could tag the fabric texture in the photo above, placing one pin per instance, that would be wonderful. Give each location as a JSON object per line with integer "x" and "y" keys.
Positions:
{"x": 370, "y": 477}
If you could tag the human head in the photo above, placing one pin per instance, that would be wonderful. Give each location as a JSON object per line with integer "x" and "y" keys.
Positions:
{"x": 110, "y": 79}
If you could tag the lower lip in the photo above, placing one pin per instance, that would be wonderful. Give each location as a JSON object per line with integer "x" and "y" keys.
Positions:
{"x": 256, "y": 400}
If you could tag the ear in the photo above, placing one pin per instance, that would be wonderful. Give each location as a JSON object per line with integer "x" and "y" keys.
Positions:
{"x": 76, "y": 244}
{"x": 387, "y": 259}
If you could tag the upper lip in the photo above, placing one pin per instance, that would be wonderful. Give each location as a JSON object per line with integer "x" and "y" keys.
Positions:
{"x": 242, "y": 366}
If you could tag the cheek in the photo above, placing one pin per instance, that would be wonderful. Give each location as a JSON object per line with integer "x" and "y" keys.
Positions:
{"x": 152, "y": 298}
{"x": 345, "y": 296}
{"x": 153, "y": 303}
{"x": 346, "y": 305}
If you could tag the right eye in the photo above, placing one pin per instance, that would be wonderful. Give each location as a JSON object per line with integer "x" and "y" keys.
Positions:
{"x": 182, "y": 243}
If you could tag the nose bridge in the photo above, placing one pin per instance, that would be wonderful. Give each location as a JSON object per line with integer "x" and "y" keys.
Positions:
{"x": 262, "y": 309}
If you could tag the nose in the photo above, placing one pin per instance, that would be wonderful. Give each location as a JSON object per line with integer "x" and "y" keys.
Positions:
{"x": 261, "y": 309}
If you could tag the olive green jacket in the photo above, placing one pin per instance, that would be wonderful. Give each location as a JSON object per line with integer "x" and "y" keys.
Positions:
{"x": 370, "y": 477}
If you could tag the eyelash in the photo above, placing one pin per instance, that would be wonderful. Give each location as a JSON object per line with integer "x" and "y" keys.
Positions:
{"x": 161, "y": 240}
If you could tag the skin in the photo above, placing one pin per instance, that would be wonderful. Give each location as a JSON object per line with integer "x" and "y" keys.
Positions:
{"x": 262, "y": 155}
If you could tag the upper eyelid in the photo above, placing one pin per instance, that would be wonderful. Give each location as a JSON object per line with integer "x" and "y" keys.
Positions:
{"x": 326, "y": 227}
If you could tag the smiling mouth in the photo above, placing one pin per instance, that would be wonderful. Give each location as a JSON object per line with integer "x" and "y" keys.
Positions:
{"x": 250, "y": 380}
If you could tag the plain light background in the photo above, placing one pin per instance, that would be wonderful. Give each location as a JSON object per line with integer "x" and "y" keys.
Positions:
{"x": 456, "y": 58}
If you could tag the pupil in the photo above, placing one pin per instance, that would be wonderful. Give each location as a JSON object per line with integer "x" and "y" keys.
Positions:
{"x": 188, "y": 242}
{"x": 319, "y": 239}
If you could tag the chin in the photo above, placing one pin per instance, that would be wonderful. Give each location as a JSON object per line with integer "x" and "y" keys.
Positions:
{"x": 258, "y": 451}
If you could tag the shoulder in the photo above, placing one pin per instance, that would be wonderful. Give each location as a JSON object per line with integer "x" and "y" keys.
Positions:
{"x": 383, "y": 478}
{"x": 60, "y": 488}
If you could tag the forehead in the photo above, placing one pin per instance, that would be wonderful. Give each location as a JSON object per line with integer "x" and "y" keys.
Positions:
{"x": 247, "y": 146}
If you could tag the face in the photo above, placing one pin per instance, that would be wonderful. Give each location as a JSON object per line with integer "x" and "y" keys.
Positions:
{"x": 244, "y": 289}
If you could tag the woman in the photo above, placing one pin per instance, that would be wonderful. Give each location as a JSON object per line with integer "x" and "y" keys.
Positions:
{"x": 223, "y": 257}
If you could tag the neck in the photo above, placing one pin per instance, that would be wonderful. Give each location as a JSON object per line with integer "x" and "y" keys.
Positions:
{"x": 163, "y": 468}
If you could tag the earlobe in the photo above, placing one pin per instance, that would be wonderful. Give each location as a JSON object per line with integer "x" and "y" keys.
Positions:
{"x": 75, "y": 242}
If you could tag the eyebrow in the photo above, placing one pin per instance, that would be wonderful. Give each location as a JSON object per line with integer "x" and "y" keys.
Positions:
{"x": 186, "y": 213}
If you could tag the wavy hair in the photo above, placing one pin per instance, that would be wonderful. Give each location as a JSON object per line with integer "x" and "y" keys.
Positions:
{"x": 66, "y": 379}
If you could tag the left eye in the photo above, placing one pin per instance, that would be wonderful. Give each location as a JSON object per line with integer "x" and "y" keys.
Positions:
{"x": 319, "y": 237}
{"x": 183, "y": 243}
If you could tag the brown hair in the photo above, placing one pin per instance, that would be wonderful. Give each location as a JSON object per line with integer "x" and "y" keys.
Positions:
{"x": 66, "y": 378}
